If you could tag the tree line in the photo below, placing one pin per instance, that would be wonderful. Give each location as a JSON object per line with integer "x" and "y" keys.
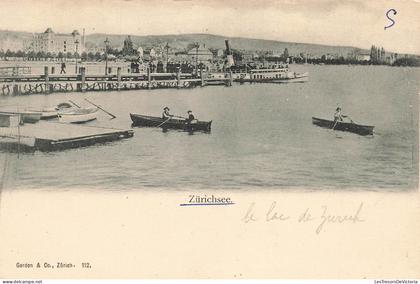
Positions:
{"x": 377, "y": 56}
{"x": 41, "y": 55}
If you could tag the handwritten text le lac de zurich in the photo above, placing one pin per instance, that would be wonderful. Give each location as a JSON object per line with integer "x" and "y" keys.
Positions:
{"x": 320, "y": 217}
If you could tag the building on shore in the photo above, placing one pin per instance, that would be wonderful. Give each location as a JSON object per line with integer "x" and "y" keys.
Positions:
{"x": 150, "y": 54}
{"x": 391, "y": 58}
{"x": 94, "y": 49}
{"x": 249, "y": 56}
{"x": 51, "y": 42}
{"x": 220, "y": 53}
{"x": 202, "y": 54}
{"x": 140, "y": 51}
{"x": 363, "y": 56}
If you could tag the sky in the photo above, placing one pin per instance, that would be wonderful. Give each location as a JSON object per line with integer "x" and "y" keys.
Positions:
{"x": 333, "y": 22}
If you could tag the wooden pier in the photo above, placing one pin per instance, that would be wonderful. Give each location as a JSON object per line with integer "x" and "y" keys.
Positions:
{"x": 52, "y": 136}
{"x": 26, "y": 84}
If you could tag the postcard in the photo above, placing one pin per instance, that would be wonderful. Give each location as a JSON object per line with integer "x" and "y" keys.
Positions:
{"x": 209, "y": 139}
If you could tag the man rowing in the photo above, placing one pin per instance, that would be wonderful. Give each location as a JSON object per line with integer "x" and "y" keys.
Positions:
{"x": 166, "y": 114}
{"x": 338, "y": 115}
{"x": 190, "y": 122}
{"x": 190, "y": 117}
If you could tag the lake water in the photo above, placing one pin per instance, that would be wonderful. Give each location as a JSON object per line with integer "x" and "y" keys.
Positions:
{"x": 262, "y": 136}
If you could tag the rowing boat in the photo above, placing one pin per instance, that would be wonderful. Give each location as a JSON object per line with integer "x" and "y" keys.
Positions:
{"x": 9, "y": 120}
{"x": 52, "y": 112}
{"x": 27, "y": 116}
{"x": 152, "y": 121}
{"x": 81, "y": 115}
{"x": 344, "y": 126}
{"x": 46, "y": 113}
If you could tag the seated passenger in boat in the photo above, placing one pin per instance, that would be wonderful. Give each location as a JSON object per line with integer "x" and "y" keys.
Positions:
{"x": 338, "y": 115}
{"x": 166, "y": 114}
{"x": 190, "y": 119}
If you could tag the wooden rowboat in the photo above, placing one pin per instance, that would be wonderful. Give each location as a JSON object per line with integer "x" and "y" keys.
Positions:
{"x": 344, "y": 126}
{"x": 9, "y": 120}
{"x": 81, "y": 115}
{"x": 46, "y": 113}
{"x": 173, "y": 123}
{"x": 27, "y": 116}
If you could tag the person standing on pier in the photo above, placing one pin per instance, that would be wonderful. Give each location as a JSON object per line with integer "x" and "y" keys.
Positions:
{"x": 63, "y": 68}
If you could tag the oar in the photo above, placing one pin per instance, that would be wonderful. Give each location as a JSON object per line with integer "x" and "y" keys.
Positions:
{"x": 113, "y": 116}
{"x": 333, "y": 128}
{"x": 74, "y": 103}
{"x": 178, "y": 116}
{"x": 335, "y": 124}
{"x": 164, "y": 122}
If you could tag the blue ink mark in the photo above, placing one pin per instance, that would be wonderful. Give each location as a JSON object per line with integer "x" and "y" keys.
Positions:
{"x": 204, "y": 204}
{"x": 387, "y": 15}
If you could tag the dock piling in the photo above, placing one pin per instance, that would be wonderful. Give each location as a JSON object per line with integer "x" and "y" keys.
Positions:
{"x": 118, "y": 78}
{"x": 201, "y": 77}
{"x": 178, "y": 77}
{"x": 82, "y": 82}
{"x": 149, "y": 78}
{"x": 83, "y": 73}
{"x": 47, "y": 79}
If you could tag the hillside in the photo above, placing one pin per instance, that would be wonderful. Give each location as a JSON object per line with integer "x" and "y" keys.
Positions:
{"x": 15, "y": 39}
{"x": 216, "y": 41}
{"x": 5, "y": 34}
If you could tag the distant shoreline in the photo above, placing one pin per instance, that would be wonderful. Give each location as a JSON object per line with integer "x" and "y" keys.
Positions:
{"x": 41, "y": 63}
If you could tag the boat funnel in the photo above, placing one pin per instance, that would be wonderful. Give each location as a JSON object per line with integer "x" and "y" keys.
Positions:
{"x": 229, "y": 57}
{"x": 228, "y": 51}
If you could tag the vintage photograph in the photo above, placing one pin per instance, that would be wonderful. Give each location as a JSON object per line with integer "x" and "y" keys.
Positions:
{"x": 205, "y": 99}
{"x": 94, "y": 104}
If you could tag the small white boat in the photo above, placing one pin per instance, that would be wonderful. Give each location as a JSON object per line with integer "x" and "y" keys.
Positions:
{"x": 64, "y": 105}
{"x": 78, "y": 115}
{"x": 46, "y": 113}
{"x": 9, "y": 120}
{"x": 26, "y": 116}
{"x": 293, "y": 77}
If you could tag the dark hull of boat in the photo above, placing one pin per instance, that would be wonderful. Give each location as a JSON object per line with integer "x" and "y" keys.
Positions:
{"x": 216, "y": 83}
{"x": 152, "y": 121}
{"x": 344, "y": 126}
{"x": 46, "y": 117}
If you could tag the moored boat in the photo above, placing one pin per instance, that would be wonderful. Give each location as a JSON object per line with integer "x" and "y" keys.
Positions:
{"x": 9, "y": 120}
{"x": 272, "y": 75}
{"x": 13, "y": 143}
{"x": 46, "y": 113}
{"x": 26, "y": 116}
{"x": 64, "y": 105}
{"x": 173, "y": 123}
{"x": 81, "y": 115}
{"x": 344, "y": 126}
{"x": 30, "y": 116}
